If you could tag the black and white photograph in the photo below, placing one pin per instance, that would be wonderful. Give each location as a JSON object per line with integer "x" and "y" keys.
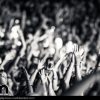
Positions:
{"x": 49, "y": 48}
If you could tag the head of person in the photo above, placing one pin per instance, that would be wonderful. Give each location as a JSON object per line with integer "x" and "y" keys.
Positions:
{"x": 49, "y": 63}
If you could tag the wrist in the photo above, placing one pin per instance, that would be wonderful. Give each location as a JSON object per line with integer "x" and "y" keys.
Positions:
{"x": 55, "y": 70}
{"x": 37, "y": 70}
{"x": 55, "y": 78}
{"x": 50, "y": 83}
{"x": 44, "y": 80}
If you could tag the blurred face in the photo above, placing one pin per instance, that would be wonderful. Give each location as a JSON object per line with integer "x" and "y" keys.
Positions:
{"x": 35, "y": 60}
{"x": 22, "y": 63}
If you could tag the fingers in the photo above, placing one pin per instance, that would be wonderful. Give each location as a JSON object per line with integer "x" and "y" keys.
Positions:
{"x": 76, "y": 48}
{"x": 42, "y": 72}
{"x": 82, "y": 53}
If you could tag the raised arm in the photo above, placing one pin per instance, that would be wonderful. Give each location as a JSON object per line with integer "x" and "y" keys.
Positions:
{"x": 68, "y": 74}
{"x": 50, "y": 79}
{"x": 40, "y": 66}
{"x": 78, "y": 56}
{"x": 80, "y": 87}
{"x": 44, "y": 82}
{"x": 8, "y": 57}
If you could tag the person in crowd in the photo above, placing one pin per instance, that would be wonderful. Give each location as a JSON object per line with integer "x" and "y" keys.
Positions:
{"x": 50, "y": 51}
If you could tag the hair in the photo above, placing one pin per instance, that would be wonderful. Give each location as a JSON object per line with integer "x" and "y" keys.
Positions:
{"x": 23, "y": 60}
{"x": 48, "y": 59}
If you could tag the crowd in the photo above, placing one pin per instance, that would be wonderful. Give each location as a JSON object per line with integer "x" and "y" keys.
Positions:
{"x": 50, "y": 48}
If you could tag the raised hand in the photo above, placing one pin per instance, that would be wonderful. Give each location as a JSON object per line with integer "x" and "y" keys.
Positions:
{"x": 40, "y": 65}
{"x": 3, "y": 77}
{"x": 44, "y": 81}
{"x": 50, "y": 79}
{"x": 69, "y": 47}
{"x": 50, "y": 76}
{"x": 11, "y": 55}
{"x": 79, "y": 52}
{"x": 68, "y": 74}
{"x": 63, "y": 57}
{"x": 43, "y": 76}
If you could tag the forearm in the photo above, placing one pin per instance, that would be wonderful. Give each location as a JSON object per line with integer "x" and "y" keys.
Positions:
{"x": 32, "y": 49}
{"x": 57, "y": 65}
{"x": 30, "y": 88}
{"x": 68, "y": 76}
{"x": 60, "y": 73}
{"x": 78, "y": 72}
{"x": 65, "y": 67}
{"x": 14, "y": 65}
{"x": 32, "y": 79}
{"x": 45, "y": 89}
{"x": 22, "y": 38}
{"x": 43, "y": 37}
{"x": 51, "y": 91}
{"x": 55, "y": 82}
{"x": 3, "y": 64}
{"x": 10, "y": 92}
{"x": 81, "y": 86}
